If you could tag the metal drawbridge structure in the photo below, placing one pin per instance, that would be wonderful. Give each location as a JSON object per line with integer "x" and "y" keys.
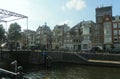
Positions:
{"x": 8, "y": 16}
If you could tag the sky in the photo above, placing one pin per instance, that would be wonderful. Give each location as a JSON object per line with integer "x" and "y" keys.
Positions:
{"x": 56, "y": 12}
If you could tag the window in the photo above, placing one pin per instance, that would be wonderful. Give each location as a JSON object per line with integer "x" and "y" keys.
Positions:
{"x": 107, "y": 28}
{"x": 114, "y": 25}
{"x": 113, "y": 18}
{"x": 70, "y": 40}
{"x": 68, "y": 34}
{"x": 86, "y": 37}
{"x": 97, "y": 33}
{"x": 118, "y": 25}
{"x": 119, "y": 32}
{"x": 115, "y": 39}
{"x": 85, "y": 46}
{"x": 115, "y": 32}
{"x": 99, "y": 18}
{"x": 53, "y": 33}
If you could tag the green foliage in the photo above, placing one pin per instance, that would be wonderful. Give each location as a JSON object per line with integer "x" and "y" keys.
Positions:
{"x": 2, "y": 33}
{"x": 14, "y": 32}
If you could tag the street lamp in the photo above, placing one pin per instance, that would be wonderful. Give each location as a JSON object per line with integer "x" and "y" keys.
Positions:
{"x": 1, "y": 46}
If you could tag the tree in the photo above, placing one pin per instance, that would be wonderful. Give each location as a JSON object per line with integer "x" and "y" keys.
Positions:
{"x": 14, "y": 34}
{"x": 2, "y": 33}
{"x": 23, "y": 40}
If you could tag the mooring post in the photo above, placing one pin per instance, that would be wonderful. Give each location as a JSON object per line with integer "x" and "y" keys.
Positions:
{"x": 15, "y": 64}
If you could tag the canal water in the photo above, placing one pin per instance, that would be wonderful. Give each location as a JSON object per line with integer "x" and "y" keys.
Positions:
{"x": 72, "y": 71}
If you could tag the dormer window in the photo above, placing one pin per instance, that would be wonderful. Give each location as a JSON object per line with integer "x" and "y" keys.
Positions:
{"x": 113, "y": 18}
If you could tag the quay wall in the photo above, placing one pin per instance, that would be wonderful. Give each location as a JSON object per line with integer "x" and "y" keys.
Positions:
{"x": 32, "y": 57}
{"x": 9, "y": 56}
{"x": 99, "y": 56}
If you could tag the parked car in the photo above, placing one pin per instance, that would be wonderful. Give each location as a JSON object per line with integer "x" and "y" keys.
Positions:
{"x": 115, "y": 50}
{"x": 95, "y": 49}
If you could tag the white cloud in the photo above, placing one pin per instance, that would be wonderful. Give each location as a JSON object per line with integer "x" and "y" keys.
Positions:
{"x": 75, "y": 4}
{"x": 68, "y": 22}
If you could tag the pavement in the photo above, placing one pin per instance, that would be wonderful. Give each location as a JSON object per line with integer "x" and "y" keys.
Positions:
{"x": 105, "y": 61}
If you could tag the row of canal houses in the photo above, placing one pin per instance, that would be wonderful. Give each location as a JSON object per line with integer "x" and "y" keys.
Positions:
{"x": 62, "y": 37}
{"x": 105, "y": 33}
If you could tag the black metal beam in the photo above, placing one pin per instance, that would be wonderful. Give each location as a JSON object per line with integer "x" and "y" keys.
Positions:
{"x": 7, "y": 14}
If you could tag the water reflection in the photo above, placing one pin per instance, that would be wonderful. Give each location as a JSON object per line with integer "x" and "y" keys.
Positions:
{"x": 70, "y": 71}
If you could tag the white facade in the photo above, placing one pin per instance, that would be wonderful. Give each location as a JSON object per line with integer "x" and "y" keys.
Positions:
{"x": 59, "y": 30}
{"x": 86, "y": 35}
{"x": 107, "y": 33}
{"x": 68, "y": 42}
{"x": 58, "y": 36}
{"x": 30, "y": 37}
{"x": 43, "y": 36}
